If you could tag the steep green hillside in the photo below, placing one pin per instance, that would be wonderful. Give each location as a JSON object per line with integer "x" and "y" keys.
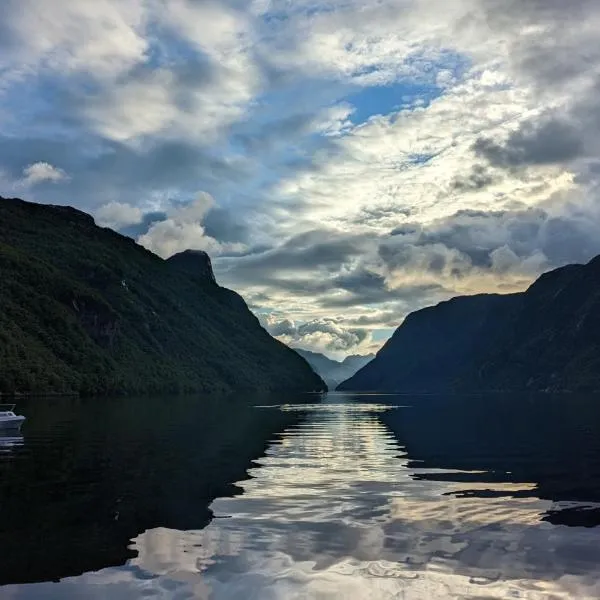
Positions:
{"x": 84, "y": 309}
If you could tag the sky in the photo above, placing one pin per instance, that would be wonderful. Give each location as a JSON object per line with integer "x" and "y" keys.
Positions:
{"x": 344, "y": 163}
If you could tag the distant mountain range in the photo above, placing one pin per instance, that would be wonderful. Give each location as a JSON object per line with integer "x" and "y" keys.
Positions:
{"x": 332, "y": 371}
{"x": 86, "y": 310}
{"x": 546, "y": 338}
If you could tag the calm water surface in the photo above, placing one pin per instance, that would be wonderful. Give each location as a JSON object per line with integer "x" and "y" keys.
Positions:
{"x": 382, "y": 497}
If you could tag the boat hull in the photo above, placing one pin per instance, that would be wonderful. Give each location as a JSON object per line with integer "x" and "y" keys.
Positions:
{"x": 11, "y": 422}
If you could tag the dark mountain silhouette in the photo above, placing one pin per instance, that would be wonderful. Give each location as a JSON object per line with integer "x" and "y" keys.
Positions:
{"x": 84, "y": 309}
{"x": 544, "y": 339}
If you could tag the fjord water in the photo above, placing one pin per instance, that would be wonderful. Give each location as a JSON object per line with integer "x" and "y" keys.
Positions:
{"x": 382, "y": 497}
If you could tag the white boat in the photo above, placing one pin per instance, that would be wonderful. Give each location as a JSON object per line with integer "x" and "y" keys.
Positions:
{"x": 8, "y": 418}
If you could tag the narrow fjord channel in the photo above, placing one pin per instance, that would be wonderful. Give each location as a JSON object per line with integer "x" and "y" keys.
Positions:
{"x": 346, "y": 496}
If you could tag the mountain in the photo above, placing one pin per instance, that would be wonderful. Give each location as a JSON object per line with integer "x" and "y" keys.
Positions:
{"x": 354, "y": 362}
{"x": 333, "y": 371}
{"x": 546, "y": 338}
{"x": 84, "y": 309}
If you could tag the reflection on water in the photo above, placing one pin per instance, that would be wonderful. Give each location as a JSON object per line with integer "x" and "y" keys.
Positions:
{"x": 9, "y": 439}
{"x": 395, "y": 497}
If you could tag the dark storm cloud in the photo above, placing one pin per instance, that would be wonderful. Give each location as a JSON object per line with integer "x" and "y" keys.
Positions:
{"x": 479, "y": 178}
{"x": 487, "y": 240}
{"x": 553, "y": 47}
{"x": 316, "y": 249}
{"x": 407, "y": 229}
{"x": 545, "y": 142}
{"x": 315, "y": 264}
{"x": 422, "y": 257}
{"x": 137, "y": 229}
{"x": 385, "y": 318}
{"x": 222, "y": 225}
{"x": 359, "y": 280}
{"x": 406, "y": 297}
{"x": 162, "y": 165}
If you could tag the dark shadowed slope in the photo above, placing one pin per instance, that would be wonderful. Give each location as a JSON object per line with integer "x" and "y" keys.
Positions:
{"x": 84, "y": 309}
{"x": 546, "y": 338}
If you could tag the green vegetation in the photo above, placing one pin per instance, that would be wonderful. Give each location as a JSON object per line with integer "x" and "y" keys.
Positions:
{"x": 86, "y": 310}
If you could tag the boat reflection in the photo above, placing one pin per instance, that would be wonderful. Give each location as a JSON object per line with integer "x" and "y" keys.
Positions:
{"x": 10, "y": 439}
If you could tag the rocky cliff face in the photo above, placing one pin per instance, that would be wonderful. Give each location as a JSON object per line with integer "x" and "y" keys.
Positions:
{"x": 546, "y": 338}
{"x": 99, "y": 322}
{"x": 196, "y": 263}
{"x": 84, "y": 309}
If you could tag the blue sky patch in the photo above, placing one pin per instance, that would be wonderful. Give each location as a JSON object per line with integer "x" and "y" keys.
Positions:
{"x": 382, "y": 100}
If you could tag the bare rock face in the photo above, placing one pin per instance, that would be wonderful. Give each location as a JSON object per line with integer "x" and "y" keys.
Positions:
{"x": 100, "y": 324}
{"x": 195, "y": 262}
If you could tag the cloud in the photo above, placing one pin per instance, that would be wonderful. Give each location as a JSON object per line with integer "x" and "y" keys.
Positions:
{"x": 324, "y": 334}
{"x": 539, "y": 142}
{"x": 492, "y": 251}
{"x": 412, "y": 266}
{"x": 118, "y": 215}
{"x": 183, "y": 229}
{"x": 365, "y": 157}
{"x": 479, "y": 178}
{"x": 102, "y": 38}
{"x": 321, "y": 250}
{"x": 137, "y": 229}
{"x": 41, "y": 172}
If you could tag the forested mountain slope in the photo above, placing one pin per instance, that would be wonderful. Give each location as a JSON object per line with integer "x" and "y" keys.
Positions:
{"x": 84, "y": 309}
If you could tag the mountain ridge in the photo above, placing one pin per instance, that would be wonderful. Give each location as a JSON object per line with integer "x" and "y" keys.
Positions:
{"x": 546, "y": 338}
{"x": 84, "y": 309}
{"x": 333, "y": 371}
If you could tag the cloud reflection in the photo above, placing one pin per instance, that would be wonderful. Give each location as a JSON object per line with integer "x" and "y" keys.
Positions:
{"x": 333, "y": 511}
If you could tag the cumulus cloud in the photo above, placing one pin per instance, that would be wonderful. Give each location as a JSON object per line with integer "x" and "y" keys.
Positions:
{"x": 103, "y": 37}
{"x": 490, "y": 251}
{"x": 324, "y": 334}
{"x": 41, "y": 172}
{"x": 118, "y": 215}
{"x": 183, "y": 229}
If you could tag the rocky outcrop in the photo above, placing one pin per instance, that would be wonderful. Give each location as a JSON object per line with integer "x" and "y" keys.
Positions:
{"x": 100, "y": 323}
{"x": 196, "y": 263}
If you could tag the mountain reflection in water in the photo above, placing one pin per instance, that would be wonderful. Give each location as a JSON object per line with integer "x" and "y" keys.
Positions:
{"x": 388, "y": 497}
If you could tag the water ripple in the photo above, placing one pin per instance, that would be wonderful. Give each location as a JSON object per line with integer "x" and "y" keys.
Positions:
{"x": 336, "y": 510}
